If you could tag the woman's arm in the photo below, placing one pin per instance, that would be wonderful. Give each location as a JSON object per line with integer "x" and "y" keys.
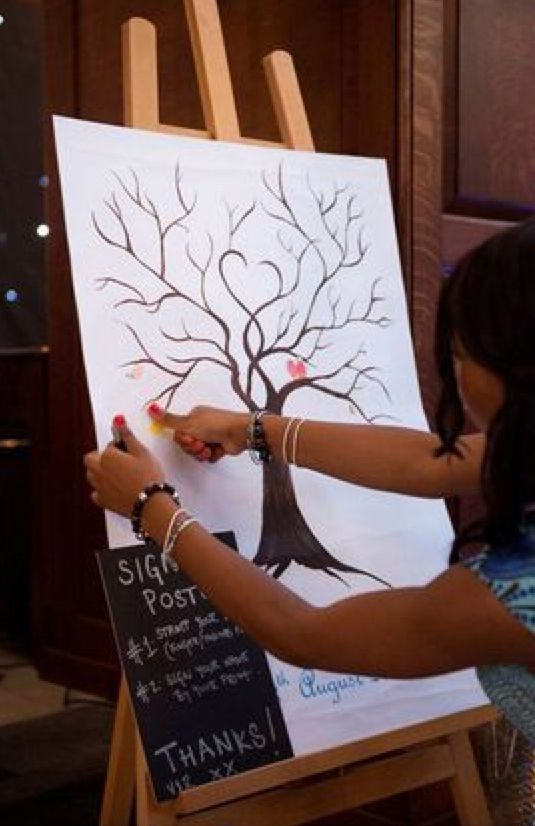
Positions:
{"x": 386, "y": 458}
{"x": 381, "y": 457}
{"x": 453, "y": 622}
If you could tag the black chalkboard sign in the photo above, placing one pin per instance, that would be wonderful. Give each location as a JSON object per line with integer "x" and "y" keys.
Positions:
{"x": 201, "y": 691}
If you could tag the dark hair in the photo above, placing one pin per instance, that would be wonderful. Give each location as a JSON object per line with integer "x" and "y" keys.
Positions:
{"x": 488, "y": 304}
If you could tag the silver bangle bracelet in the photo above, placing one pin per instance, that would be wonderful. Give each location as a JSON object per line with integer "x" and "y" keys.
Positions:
{"x": 179, "y": 521}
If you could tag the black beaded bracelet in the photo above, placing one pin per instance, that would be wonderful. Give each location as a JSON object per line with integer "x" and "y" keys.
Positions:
{"x": 141, "y": 501}
{"x": 256, "y": 439}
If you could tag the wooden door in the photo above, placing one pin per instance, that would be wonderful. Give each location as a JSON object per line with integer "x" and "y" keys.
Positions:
{"x": 489, "y": 133}
{"x": 489, "y": 120}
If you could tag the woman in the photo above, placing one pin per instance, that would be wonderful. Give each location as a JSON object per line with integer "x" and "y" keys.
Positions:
{"x": 478, "y": 613}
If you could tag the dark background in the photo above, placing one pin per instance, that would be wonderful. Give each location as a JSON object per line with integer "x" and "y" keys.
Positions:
{"x": 22, "y": 319}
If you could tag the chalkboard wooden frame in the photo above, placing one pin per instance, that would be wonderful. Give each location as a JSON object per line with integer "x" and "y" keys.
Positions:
{"x": 336, "y": 779}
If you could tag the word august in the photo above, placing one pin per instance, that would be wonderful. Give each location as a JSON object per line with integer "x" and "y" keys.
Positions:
{"x": 150, "y": 571}
{"x": 311, "y": 686}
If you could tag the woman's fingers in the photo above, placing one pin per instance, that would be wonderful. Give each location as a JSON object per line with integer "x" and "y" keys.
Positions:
{"x": 91, "y": 460}
{"x": 188, "y": 442}
{"x": 118, "y": 475}
{"x": 195, "y": 447}
{"x": 126, "y": 437}
{"x": 184, "y": 439}
{"x": 91, "y": 464}
{"x": 170, "y": 420}
{"x": 91, "y": 478}
{"x": 205, "y": 433}
{"x": 216, "y": 454}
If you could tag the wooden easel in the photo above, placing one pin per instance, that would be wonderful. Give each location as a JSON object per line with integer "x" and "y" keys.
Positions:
{"x": 305, "y": 788}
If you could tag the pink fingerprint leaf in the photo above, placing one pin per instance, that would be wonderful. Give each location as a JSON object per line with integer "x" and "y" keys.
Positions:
{"x": 297, "y": 369}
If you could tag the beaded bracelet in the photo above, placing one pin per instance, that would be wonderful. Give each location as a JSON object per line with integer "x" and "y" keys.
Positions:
{"x": 256, "y": 439}
{"x": 141, "y": 501}
{"x": 179, "y": 521}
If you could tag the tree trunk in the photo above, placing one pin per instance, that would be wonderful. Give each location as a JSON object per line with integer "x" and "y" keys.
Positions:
{"x": 285, "y": 536}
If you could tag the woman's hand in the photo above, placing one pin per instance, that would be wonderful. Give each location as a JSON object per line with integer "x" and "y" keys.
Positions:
{"x": 116, "y": 476}
{"x": 207, "y": 433}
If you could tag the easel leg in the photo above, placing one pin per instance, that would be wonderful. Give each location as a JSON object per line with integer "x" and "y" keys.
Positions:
{"x": 148, "y": 811}
{"x": 466, "y": 785}
{"x": 142, "y": 787}
{"x": 119, "y": 788}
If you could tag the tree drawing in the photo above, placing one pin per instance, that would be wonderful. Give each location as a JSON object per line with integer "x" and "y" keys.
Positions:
{"x": 273, "y": 329}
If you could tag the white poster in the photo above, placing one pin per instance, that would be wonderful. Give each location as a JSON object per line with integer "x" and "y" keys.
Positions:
{"x": 240, "y": 276}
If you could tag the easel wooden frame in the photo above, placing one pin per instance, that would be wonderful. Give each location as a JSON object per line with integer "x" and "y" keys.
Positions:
{"x": 335, "y": 780}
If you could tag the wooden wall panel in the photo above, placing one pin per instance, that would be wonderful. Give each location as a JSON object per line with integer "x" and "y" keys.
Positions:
{"x": 253, "y": 30}
{"x": 489, "y": 119}
{"x": 370, "y": 93}
{"x": 425, "y": 183}
{"x": 497, "y": 102}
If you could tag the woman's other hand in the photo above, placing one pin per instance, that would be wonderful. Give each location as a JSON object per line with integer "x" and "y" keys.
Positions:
{"x": 206, "y": 433}
{"x": 118, "y": 476}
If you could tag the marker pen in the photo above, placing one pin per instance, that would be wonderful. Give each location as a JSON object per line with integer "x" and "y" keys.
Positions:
{"x": 118, "y": 440}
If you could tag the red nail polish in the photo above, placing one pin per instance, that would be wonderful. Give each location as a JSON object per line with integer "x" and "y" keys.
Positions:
{"x": 155, "y": 409}
{"x": 119, "y": 420}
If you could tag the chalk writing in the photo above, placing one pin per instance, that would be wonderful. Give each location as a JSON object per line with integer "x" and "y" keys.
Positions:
{"x": 202, "y": 693}
{"x": 230, "y": 742}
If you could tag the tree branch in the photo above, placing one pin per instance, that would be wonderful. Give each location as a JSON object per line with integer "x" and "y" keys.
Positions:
{"x": 235, "y": 226}
{"x": 348, "y": 395}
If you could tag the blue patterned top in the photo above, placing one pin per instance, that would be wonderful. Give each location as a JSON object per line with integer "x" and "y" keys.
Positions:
{"x": 510, "y": 574}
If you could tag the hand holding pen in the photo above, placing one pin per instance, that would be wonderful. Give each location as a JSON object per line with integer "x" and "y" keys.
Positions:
{"x": 122, "y": 470}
